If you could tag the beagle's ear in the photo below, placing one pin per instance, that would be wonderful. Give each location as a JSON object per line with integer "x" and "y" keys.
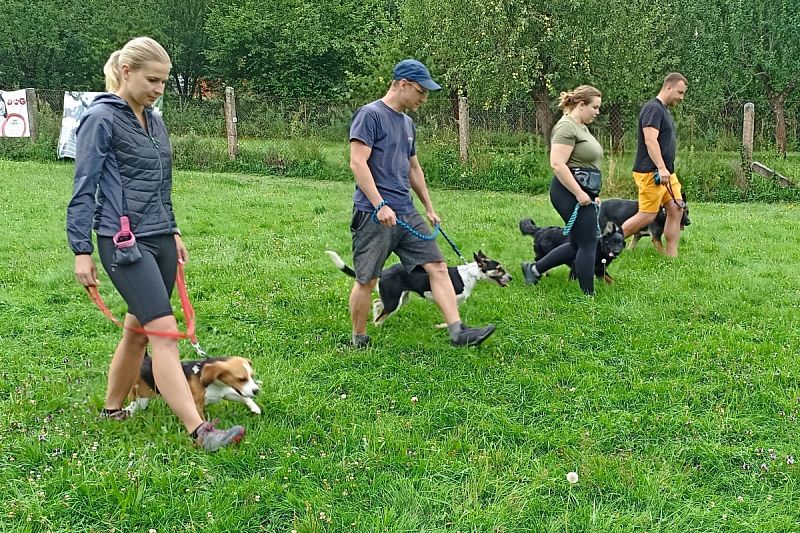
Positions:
{"x": 210, "y": 373}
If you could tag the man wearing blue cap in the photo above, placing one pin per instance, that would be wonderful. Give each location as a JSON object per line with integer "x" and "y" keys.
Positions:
{"x": 383, "y": 158}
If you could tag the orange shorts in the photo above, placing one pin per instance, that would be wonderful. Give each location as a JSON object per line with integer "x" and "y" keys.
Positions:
{"x": 652, "y": 196}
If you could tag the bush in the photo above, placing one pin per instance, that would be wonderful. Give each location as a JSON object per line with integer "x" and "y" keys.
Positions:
{"x": 521, "y": 165}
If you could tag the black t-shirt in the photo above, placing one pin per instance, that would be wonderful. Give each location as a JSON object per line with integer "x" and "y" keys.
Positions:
{"x": 655, "y": 114}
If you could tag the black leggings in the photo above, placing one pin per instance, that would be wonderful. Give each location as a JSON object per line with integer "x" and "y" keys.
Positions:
{"x": 147, "y": 284}
{"x": 582, "y": 245}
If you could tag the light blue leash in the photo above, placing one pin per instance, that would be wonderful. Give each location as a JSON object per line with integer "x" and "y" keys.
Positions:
{"x": 437, "y": 229}
{"x": 574, "y": 217}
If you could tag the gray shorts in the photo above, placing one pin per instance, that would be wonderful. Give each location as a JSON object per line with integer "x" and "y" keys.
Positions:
{"x": 372, "y": 244}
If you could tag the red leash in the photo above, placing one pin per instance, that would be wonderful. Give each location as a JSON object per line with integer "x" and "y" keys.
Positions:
{"x": 186, "y": 305}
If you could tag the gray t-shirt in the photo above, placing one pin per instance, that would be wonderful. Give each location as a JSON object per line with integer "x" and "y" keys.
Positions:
{"x": 392, "y": 137}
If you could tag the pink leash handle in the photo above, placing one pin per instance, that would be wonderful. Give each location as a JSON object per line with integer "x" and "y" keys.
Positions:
{"x": 124, "y": 238}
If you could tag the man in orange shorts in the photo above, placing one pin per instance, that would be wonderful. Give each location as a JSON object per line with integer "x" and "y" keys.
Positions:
{"x": 654, "y": 167}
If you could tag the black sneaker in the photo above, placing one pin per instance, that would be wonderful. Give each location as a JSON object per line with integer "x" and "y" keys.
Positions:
{"x": 531, "y": 277}
{"x": 472, "y": 336}
{"x": 361, "y": 341}
{"x": 114, "y": 414}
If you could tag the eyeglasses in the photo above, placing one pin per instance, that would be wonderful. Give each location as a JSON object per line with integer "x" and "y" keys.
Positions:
{"x": 422, "y": 91}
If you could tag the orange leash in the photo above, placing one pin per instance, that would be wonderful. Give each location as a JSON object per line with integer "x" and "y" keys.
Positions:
{"x": 186, "y": 305}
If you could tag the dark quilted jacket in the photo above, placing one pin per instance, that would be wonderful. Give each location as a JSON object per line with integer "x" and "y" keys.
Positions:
{"x": 116, "y": 154}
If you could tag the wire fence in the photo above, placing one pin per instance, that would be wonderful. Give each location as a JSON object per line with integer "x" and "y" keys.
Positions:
{"x": 492, "y": 127}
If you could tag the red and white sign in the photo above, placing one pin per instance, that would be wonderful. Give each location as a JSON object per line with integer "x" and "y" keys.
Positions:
{"x": 14, "y": 114}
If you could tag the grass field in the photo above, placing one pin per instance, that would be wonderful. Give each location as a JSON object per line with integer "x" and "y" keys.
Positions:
{"x": 673, "y": 394}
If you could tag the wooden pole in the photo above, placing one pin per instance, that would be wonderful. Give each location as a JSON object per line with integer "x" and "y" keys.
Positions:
{"x": 747, "y": 133}
{"x": 230, "y": 123}
{"x": 463, "y": 128}
{"x": 33, "y": 114}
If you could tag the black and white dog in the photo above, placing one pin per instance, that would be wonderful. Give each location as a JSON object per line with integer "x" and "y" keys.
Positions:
{"x": 619, "y": 210}
{"x": 396, "y": 284}
{"x": 609, "y": 245}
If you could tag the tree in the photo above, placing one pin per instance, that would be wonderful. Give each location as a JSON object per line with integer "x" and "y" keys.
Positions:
{"x": 498, "y": 51}
{"x": 182, "y": 31}
{"x": 766, "y": 42}
{"x": 65, "y": 45}
{"x": 627, "y": 49}
{"x": 293, "y": 48}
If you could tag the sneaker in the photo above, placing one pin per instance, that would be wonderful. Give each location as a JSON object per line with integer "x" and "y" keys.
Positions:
{"x": 531, "y": 277}
{"x": 361, "y": 341}
{"x": 212, "y": 439}
{"x": 472, "y": 336}
{"x": 114, "y": 414}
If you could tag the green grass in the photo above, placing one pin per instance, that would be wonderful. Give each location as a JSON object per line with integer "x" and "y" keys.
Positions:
{"x": 656, "y": 392}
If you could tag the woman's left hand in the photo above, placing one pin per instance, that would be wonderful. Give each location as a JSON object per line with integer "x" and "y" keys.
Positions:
{"x": 597, "y": 200}
{"x": 183, "y": 253}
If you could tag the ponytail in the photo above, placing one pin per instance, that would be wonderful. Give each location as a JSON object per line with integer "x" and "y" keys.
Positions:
{"x": 113, "y": 72}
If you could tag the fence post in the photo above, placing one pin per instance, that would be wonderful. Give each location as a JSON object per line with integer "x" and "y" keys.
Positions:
{"x": 33, "y": 113}
{"x": 747, "y": 132}
{"x": 463, "y": 128}
{"x": 748, "y": 126}
{"x": 230, "y": 123}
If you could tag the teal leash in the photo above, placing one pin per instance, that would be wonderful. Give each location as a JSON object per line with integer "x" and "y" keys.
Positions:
{"x": 574, "y": 217}
{"x": 437, "y": 229}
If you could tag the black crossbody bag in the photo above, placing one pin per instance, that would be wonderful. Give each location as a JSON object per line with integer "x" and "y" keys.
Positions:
{"x": 590, "y": 179}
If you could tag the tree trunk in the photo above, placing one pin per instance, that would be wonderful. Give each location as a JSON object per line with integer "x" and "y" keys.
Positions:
{"x": 778, "y": 103}
{"x": 544, "y": 115}
{"x": 453, "y": 96}
{"x": 777, "y": 100}
{"x": 616, "y": 127}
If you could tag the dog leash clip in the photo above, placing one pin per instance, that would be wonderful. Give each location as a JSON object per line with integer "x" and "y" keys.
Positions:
{"x": 198, "y": 349}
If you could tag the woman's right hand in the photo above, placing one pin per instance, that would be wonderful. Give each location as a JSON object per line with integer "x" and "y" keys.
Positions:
{"x": 86, "y": 270}
{"x": 583, "y": 198}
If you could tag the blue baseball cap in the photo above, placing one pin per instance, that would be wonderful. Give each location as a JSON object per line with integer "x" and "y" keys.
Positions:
{"x": 413, "y": 70}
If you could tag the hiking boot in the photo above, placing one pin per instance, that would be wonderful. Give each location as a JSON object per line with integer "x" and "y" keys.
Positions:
{"x": 212, "y": 439}
{"x": 531, "y": 277}
{"x": 472, "y": 336}
{"x": 114, "y": 414}
{"x": 361, "y": 341}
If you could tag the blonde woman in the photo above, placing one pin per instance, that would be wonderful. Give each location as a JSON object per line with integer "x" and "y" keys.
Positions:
{"x": 575, "y": 156}
{"x": 123, "y": 177}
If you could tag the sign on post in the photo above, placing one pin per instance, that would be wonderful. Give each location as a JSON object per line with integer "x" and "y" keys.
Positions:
{"x": 14, "y": 114}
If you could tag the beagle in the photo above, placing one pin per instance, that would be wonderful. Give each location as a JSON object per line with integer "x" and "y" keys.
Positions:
{"x": 210, "y": 380}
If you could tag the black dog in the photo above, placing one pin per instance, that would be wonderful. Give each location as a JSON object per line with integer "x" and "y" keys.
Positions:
{"x": 609, "y": 245}
{"x": 618, "y": 211}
